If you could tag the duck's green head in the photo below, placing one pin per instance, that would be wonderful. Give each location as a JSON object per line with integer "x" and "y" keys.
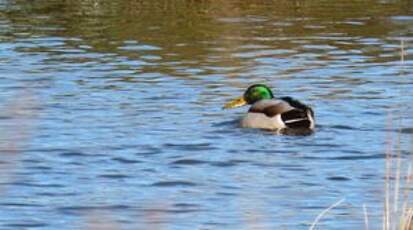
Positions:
{"x": 253, "y": 94}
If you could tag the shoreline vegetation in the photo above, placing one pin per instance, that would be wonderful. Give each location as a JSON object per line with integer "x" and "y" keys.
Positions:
{"x": 398, "y": 178}
{"x": 398, "y": 205}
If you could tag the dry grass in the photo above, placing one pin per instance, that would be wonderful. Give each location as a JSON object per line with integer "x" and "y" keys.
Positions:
{"x": 398, "y": 211}
{"x": 398, "y": 207}
{"x": 318, "y": 218}
{"x": 366, "y": 216}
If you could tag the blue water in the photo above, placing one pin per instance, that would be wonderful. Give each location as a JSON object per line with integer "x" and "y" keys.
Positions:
{"x": 111, "y": 113}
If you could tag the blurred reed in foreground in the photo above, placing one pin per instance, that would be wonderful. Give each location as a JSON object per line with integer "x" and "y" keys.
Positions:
{"x": 17, "y": 121}
{"x": 398, "y": 206}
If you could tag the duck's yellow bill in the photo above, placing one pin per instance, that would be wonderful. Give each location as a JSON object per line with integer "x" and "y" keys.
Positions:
{"x": 237, "y": 102}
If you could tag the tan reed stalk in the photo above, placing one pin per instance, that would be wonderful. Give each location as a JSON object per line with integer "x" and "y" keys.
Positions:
{"x": 317, "y": 219}
{"x": 388, "y": 163}
{"x": 366, "y": 217}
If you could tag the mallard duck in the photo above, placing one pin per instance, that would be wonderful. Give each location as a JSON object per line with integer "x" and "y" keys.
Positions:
{"x": 271, "y": 113}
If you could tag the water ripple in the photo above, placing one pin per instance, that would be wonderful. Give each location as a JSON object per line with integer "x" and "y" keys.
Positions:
{"x": 27, "y": 224}
{"x": 189, "y": 162}
{"x": 174, "y": 184}
{"x": 125, "y": 160}
{"x": 190, "y": 147}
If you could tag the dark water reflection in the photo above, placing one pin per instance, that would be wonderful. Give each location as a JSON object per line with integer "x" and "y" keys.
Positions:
{"x": 127, "y": 109}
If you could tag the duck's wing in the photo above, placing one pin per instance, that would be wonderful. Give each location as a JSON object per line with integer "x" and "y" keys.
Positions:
{"x": 301, "y": 116}
{"x": 266, "y": 114}
{"x": 271, "y": 108}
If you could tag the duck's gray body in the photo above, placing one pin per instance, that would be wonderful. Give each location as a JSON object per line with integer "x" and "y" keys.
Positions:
{"x": 277, "y": 114}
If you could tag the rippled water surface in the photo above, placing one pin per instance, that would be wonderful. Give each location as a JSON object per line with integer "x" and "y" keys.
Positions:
{"x": 111, "y": 112}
